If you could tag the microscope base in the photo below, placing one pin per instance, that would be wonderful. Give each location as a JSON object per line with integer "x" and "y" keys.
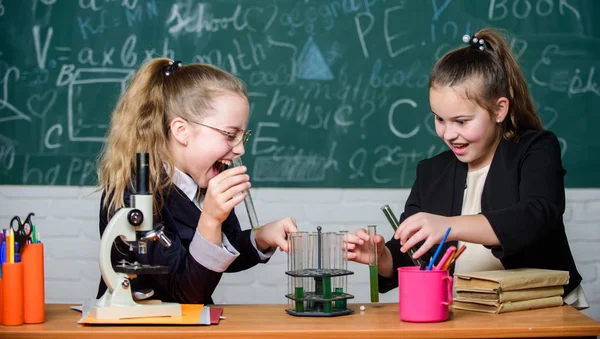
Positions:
{"x": 119, "y": 305}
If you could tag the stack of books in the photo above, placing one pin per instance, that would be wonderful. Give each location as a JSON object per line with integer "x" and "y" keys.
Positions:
{"x": 504, "y": 291}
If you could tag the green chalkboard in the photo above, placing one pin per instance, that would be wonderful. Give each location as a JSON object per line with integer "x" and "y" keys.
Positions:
{"x": 338, "y": 88}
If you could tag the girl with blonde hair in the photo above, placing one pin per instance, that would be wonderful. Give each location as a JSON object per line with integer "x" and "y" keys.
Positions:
{"x": 191, "y": 119}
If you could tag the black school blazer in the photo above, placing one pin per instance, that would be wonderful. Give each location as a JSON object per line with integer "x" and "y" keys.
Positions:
{"x": 523, "y": 199}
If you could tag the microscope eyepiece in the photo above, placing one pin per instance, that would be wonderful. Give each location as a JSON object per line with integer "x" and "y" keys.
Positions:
{"x": 143, "y": 171}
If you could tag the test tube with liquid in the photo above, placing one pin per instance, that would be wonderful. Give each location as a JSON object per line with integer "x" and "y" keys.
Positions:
{"x": 248, "y": 202}
{"x": 311, "y": 249}
{"x": 296, "y": 262}
{"x": 328, "y": 260}
{"x": 341, "y": 264}
{"x": 373, "y": 264}
{"x": 290, "y": 279}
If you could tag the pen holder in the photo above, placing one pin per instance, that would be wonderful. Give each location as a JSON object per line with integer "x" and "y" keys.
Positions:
{"x": 33, "y": 275}
{"x": 1, "y": 304}
{"x": 12, "y": 293}
{"x": 424, "y": 295}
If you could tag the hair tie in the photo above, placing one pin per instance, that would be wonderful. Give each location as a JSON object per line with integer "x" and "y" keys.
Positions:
{"x": 474, "y": 42}
{"x": 172, "y": 66}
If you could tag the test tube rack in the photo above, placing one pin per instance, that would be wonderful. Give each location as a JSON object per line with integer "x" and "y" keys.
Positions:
{"x": 317, "y": 274}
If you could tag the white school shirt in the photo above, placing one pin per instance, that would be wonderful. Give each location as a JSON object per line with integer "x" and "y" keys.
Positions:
{"x": 475, "y": 257}
{"x": 478, "y": 258}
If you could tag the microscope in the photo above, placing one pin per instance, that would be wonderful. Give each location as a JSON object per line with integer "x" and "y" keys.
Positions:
{"x": 134, "y": 225}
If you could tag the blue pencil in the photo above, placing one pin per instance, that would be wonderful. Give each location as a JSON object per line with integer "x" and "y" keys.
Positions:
{"x": 439, "y": 249}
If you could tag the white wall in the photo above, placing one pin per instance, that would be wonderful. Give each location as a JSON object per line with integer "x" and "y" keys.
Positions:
{"x": 67, "y": 218}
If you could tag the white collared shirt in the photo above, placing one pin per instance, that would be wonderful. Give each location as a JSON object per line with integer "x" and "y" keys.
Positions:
{"x": 214, "y": 257}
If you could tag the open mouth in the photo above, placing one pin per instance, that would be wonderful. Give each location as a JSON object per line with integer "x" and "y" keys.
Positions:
{"x": 459, "y": 149}
{"x": 220, "y": 166}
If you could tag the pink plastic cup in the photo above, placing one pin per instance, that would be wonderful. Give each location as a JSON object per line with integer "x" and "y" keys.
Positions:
{"x": 424, "y": 295}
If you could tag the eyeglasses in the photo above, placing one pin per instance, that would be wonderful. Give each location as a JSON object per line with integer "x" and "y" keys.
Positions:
{"x": 233, "y": 139}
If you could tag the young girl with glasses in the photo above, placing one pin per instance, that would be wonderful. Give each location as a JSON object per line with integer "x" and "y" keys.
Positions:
{"x": 192, "y": 120}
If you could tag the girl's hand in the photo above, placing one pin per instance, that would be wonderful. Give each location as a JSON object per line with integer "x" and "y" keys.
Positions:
{"x": 224, "y": 192}
{"x": 274, "y": 234}
{"x": 357, "y": 245}
{"x": 421, "y": 226}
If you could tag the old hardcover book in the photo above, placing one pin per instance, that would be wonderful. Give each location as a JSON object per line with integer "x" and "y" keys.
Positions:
{"x": 509, "y": 280}
{"x": 509, "y": 306}
{"x": 517, "y": 295}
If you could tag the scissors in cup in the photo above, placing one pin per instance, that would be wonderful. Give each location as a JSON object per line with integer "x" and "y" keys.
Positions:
{"x": 23, "y": 230}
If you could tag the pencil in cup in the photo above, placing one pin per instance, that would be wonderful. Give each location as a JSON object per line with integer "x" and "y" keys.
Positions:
{"x": 445, "y": 261}
{"x": 12, "y": 293}
{"x": 449, "y": 261}
{"x": 439, "y": 248}
{"x": 33, "y": 274}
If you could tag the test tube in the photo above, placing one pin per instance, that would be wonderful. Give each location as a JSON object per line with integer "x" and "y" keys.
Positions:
{"x": 297, "y": 264}
{"x": 341, "y": 264}
{"x": 373, "y": 264}
{"x": 248, "y": 202}
{"x": 290, "y": 268}
{"x": 318, "y": 305}
{"x": 389, "y": 214}
{"x": 327, "y": 245}
{"x": 310, "y": 252}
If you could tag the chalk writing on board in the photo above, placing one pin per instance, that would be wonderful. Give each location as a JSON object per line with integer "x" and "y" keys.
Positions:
{"x": 10, "y": 112}
{"x": 338, "y": 89}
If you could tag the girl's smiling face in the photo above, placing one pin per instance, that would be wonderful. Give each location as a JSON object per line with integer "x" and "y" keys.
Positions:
{"x": 467, "y": 128}
{"x": 206, "y": 149}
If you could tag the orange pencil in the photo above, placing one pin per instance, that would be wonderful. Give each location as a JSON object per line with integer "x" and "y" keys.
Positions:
{"x": 458, "y": 253}
{"x": 449, "y": 261}
{"x": 446, "y": 258}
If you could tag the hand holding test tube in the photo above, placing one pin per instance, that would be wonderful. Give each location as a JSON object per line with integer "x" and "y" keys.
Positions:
{"x": 248, "y": 202}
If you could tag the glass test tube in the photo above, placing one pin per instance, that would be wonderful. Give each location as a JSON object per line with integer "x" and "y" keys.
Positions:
{"x": 327, "y": 245}
{"x": 311, "y": 258}
{"x": 373, "y": 264}
{"x": 391, "y": 217}
{"x": 290, "y": 260}
{"x": 298, "y": 264}
{"x": 248, "y": 202}
{"x": 342, "y": 264}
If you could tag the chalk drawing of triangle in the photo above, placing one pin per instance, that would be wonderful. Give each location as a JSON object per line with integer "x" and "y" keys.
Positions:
{"x": 311, "y": 64}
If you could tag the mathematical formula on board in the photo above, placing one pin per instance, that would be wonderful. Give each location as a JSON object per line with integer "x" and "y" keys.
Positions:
{"x": 338, "y": 88}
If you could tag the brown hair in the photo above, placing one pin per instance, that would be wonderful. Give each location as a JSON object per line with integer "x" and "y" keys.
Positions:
{"x": 488, "y": 75}
{"x": 140, "y": 123}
